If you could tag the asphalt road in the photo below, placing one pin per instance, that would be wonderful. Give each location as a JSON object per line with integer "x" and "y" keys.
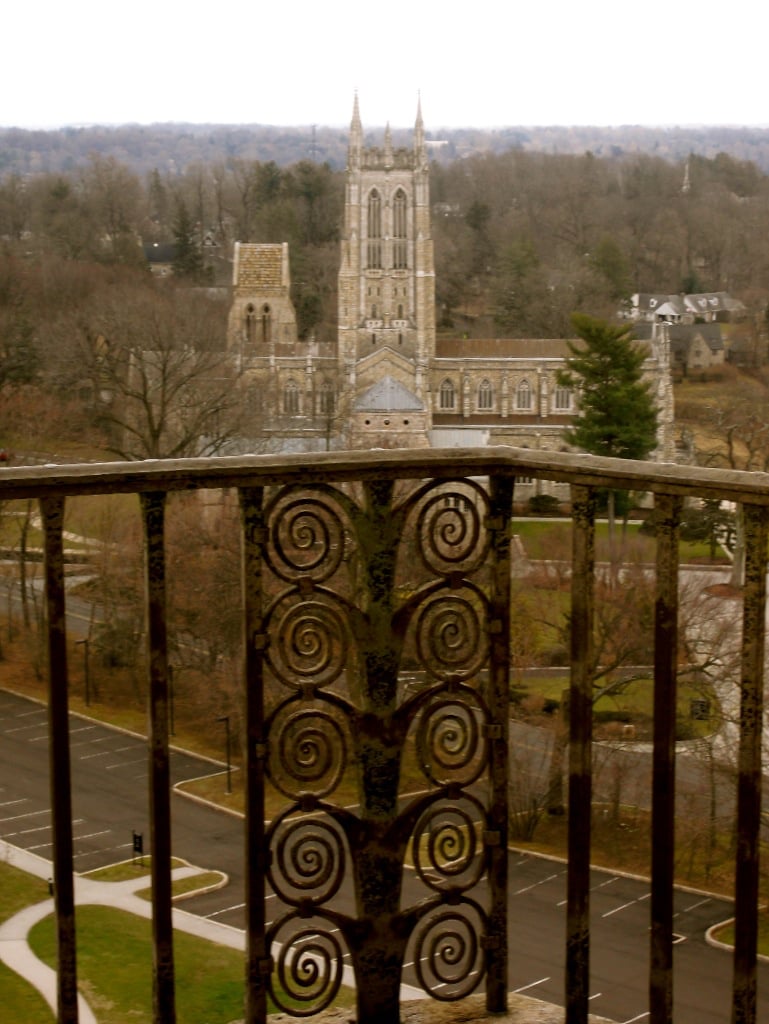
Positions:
{"x": 109, "y": 804}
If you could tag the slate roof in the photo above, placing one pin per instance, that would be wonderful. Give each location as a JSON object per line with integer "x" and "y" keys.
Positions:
{"x": 682, "y": 335}
{"x": 388, "y": 395}
{"x": 501, "y": 348}
{"x": 698, "y": 304}
{"x": 260, "y": 266}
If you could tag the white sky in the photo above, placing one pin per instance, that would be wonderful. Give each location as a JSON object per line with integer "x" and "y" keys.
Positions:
{"x": 299, "y": 62}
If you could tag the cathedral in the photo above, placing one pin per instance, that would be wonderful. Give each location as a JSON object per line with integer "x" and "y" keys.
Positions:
{"x": 388, "y": 381}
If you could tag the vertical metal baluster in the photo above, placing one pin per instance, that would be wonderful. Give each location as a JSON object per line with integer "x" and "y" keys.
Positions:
{"x": 749, "y": 767}
{"x": 501, "y": 504}
{"x": 257, "y": 959}
{"x": 52, "y": 513}
{"x": 163, "y": 996}
{"x": 580, "y": 757}
{"x": 668, "y": 510}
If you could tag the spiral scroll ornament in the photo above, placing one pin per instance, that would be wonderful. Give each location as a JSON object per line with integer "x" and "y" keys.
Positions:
{"x": 308, "y": 749}
{"x": 308, "y": 859}
{"x": 307, "y": 539}
{"x": 450, "y": 634}
{"x": 310, "y": 640}
{"x": 447, "y": 953}
{"x": 451, "y": 531}
{"x": 308, "y": 968}
{"x": 451, "y": 743}
{"x": 447, "y": 849}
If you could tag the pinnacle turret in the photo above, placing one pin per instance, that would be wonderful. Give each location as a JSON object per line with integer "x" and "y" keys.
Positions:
{"x": 356, "y": 136}
{"x": 419, "y": 129}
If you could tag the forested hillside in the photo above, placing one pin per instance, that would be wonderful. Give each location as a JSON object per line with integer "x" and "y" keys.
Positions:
{"x": 173, "y": 147}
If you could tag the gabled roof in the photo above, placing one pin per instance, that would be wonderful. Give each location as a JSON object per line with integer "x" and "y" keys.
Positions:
{"x": 682, "y": 335}
{"x": 388, "y": 395}
{"x": 710, "y": 334}
{"x": 501, "y": 348}
{"x": 672, "y": 306}
{"x": 649, "y": 302}
{"x": 711, "y": 302}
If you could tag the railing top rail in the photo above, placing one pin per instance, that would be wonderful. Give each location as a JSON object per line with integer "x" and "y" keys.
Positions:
{"x": 264, "y": 470}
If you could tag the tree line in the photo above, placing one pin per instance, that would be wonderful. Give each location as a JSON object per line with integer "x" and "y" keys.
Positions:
{"x": 522, "y": 239}
{"x": 177, "y": 146}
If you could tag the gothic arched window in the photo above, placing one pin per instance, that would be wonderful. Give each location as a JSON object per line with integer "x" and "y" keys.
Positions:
{"x": 563, "y": 399}
{"x": 400, "y": 222}
{"x": 326, "y": 399}
{"x": 447, "y": 395}
{"x": 523, "y": 395}
{"x": 266, "y": 324}
{"x": 291, "y": 398}
{"x": 250, "y": 324}
{"x": 374, "y": 230}
{"x": 485, "y": 395}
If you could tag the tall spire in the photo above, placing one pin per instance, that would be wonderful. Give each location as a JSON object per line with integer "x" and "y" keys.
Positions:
{"x": 419, "y": 131}
{"x": 388, "y": 146}
{"x": 356, "y": 136}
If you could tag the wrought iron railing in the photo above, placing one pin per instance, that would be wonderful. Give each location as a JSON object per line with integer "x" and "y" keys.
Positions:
{"x": 351, "y": 565}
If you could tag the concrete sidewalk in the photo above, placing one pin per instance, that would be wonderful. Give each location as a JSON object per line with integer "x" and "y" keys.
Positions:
{"x": 14, "y": 946}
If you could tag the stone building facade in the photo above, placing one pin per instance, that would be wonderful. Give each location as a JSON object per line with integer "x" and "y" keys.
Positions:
{"x": 388, "y": 381}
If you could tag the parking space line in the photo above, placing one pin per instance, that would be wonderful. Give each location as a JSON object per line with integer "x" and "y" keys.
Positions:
{"x": 532, "y": 984}
{"x": 226, "y": 910}
{"x": 624, "y": 906}
{"x": 92, "y": 743}
{"x": 28, "y": 814}
{"x": 534, "y": 885}
{"x": 700, "y": 903}
{"x": 90, "y": 835}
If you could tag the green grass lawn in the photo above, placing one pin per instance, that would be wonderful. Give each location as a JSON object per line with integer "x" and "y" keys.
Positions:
{"x": 637, "y": 698}
{"x": 114, "y": 957}
{"x": 726, "y": 934}
{"x": 544, "y": 538}
{"x": 21, "y": 1002}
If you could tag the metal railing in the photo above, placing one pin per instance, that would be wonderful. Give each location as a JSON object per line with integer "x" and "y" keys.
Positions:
{"x": 351, "y": 564}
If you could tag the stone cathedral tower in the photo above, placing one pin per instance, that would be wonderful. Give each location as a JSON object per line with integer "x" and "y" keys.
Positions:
{"x": 387, "y": 272}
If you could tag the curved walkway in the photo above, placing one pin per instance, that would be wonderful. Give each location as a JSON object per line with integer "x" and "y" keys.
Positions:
{"x": 14, "y": 946}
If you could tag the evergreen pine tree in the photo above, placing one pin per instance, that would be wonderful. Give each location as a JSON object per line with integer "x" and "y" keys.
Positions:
{"x": 618, "y": 416}
{"x": 188, "y": 259}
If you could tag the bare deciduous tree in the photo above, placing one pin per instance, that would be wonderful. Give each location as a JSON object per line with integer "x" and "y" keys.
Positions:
{"x": 163, "y": 383}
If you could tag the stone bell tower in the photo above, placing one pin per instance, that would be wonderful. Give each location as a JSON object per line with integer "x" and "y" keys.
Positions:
{"x": 387, "y": 272}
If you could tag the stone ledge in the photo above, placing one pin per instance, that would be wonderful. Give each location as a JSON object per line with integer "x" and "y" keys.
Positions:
{"x": 472, "y": 1010}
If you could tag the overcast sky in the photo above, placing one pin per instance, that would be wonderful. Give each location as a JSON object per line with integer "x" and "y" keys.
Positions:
{"x": 300, "y": 62}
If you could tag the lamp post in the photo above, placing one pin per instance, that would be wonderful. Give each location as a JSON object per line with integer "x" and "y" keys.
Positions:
{"x": 86, "y": 669}
{"x": 226, "y": 720}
